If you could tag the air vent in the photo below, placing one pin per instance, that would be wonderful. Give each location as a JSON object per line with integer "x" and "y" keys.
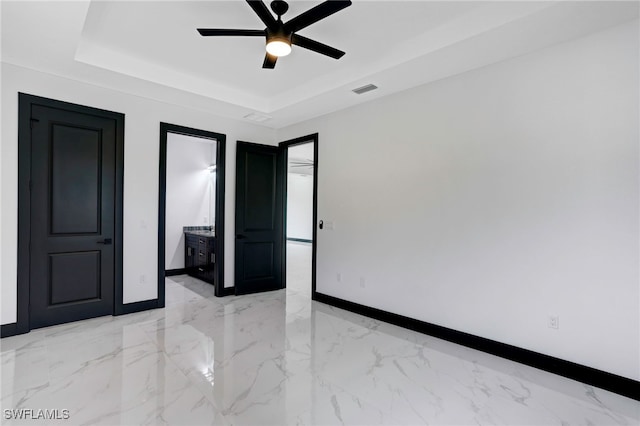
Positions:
{"x": 364, "y": 89}
{"x": 256, "y": 116}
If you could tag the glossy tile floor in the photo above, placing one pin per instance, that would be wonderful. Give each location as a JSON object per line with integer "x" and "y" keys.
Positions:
{"x": 277, "y": 358}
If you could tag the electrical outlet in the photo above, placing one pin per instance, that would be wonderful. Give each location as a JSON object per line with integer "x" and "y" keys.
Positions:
{"x": 362, "y": 282}
{"x": 339, "y": 277}
{"x": 554, "y": 322}
{"x": 143, "y": 279}
{"x": 205, "y": 220}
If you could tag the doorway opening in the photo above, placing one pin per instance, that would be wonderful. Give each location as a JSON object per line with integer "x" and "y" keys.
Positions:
{"x": 191, "y": 208}
{"x": 260, "y": 215}
{"x": 300, "y": 204}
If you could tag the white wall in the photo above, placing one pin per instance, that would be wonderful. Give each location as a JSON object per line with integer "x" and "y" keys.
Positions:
{"x": 189, "y": 192}
{"x": 142, "y": 132}
{"x": 300, "y": 206}
{"x": 488, "y": 201}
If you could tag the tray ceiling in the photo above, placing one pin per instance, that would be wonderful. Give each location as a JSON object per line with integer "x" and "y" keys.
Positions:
{"x": 152, "y": 48}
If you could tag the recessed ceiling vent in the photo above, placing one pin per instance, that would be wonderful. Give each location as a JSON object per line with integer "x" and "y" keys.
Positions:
{"x": 256, "y": 116}
{"x": 364, "y": 89}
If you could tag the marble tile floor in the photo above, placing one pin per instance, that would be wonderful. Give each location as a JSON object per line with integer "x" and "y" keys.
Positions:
{"x": 278, "y": 358}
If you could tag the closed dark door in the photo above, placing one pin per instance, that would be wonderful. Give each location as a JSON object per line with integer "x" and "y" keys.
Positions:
{"x": 73, "y": 159}
{"x": 259, "y": 213}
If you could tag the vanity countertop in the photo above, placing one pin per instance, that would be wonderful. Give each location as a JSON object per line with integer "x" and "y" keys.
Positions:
{"x": 202, "y": 233}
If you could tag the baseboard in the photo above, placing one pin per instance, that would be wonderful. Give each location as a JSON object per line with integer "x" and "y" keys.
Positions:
{"x": 145, "y": 305}
{"x": 299, "y": 240}
{"x": 582, "y": 373}
{"x": 173, "y": 272}
{"x": 8, "y": 330}
{"x": 228, "y": 291}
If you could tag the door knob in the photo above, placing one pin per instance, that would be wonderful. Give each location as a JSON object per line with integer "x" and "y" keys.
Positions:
{"x": 106, "y": 241}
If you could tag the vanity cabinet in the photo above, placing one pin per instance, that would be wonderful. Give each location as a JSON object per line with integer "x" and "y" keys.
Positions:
{"x": 200, "y": 256}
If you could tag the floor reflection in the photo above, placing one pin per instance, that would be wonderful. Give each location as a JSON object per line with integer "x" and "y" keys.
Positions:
{"x": 278, "y": 358}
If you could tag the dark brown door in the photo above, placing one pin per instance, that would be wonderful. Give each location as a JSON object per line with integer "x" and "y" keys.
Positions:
{"x": 73, "y": 167}
{"x": 259, "y": 218}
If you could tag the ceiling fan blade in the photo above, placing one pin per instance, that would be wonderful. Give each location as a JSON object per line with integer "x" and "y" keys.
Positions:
{"x": 269, "y": 61}
{"x": 316, "y": 46}
{"x": 315, "y": 14}
{"x": 263, "y": 13}
{"x": 229, "y": 32}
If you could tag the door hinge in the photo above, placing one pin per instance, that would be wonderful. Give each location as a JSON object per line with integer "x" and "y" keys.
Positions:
{"x": 33, "y": 120}
{"x": 213, "y": 258}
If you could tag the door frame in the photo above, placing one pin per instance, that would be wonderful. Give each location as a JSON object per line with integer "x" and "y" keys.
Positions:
{"x": 25, "y": 104}
{"x": 312, "y": 138}
{"x": 220, "y": 138}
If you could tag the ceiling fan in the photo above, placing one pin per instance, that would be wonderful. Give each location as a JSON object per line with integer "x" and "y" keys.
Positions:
{"x": 279, "y": 35}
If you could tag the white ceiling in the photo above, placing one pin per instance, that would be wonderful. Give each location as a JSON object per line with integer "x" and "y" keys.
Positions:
{"x": 152, "y": 49}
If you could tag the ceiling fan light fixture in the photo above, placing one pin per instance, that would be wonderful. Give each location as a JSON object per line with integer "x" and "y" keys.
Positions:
{"x": 279, "y": 47}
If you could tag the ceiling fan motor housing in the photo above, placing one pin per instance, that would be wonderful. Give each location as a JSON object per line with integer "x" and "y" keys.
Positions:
{"x": 279, "y": 34}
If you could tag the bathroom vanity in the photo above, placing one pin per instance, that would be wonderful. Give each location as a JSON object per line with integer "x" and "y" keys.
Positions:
{"x": 199, "y": 254}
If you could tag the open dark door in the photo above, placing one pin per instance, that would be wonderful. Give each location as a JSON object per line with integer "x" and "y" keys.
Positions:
{"x": 259, "y": 218}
